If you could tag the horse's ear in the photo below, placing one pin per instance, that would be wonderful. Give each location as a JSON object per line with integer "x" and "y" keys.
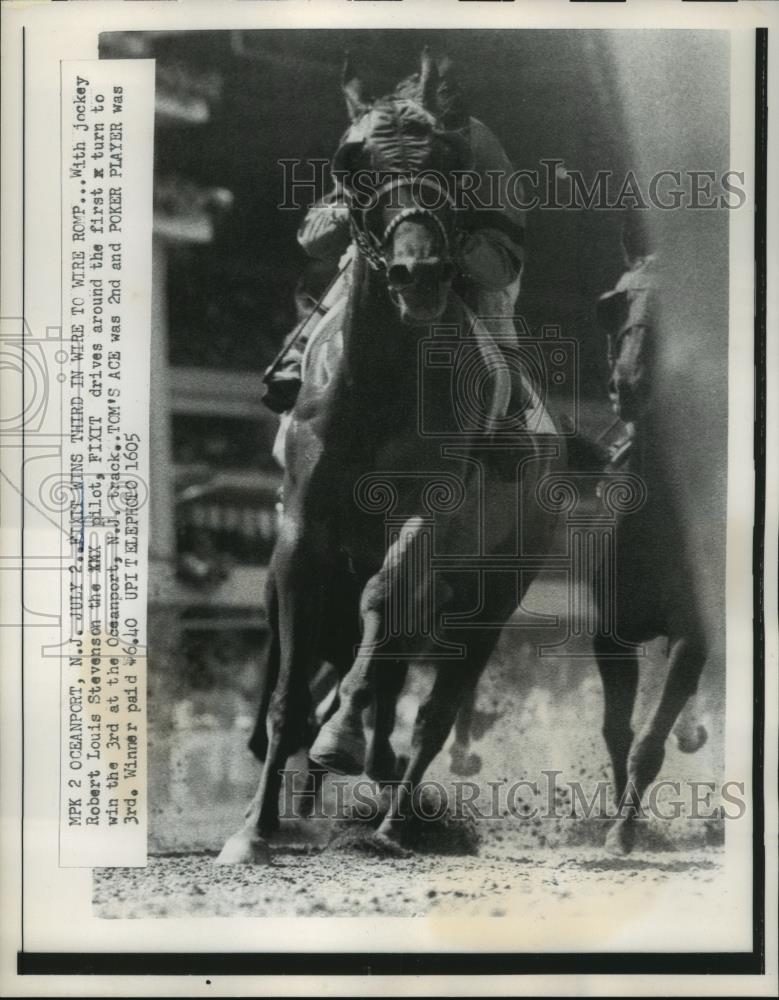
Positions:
{"x": 352, "y": 87}
{"x": 428, "y": 81}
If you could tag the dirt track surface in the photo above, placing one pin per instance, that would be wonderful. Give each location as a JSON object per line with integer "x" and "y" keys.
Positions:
{"x": 548, "y": 718}
{"x": 502, "y": 879}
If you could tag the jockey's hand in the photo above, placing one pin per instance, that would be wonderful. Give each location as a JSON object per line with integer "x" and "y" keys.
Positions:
{"x": 325, "y": 232}
{"x": 488, "y": 258}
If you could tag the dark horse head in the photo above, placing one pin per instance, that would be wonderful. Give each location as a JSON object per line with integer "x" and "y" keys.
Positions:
{"x": 397, "y": 166}
{"x": 415, "y": 250}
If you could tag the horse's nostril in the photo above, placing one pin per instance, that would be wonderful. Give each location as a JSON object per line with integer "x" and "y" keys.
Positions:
{"x": 400, "y": 276}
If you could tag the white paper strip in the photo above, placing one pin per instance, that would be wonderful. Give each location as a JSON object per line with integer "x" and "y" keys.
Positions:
{"x": 107, "y": 155}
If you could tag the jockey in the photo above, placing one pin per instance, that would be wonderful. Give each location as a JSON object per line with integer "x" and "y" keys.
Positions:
{"x": 489, "y": 256}
{"x": 632, "y": 304}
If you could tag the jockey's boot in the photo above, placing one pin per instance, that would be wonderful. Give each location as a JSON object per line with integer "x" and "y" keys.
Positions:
{"x": 281, "y": 389}
{"x": 283, "y": 377}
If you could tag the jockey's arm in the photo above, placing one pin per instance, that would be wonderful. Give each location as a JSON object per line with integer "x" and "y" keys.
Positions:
{"x": 490, "y": 259}
{"x": 491, "y": 253}
{"x": 324, "y": 233}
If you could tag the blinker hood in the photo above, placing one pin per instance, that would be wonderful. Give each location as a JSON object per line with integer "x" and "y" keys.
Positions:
{"x": 398, "y": 137}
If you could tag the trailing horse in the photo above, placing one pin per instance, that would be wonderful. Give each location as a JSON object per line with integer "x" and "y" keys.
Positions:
{"x": 649, "y": 590}
{"x": 413, "y": 461}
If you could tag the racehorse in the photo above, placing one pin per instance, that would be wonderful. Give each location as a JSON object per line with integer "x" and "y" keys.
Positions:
{"x": 649, "y": 590}
{"x": 372, "y": 494}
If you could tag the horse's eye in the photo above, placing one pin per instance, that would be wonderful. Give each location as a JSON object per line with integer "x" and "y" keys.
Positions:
{"x": 399, "y": 276}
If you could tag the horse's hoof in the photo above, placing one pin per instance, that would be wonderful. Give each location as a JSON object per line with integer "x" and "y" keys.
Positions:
{"x": 621, "y": 838}
{"x": 339, "y": 751}
{"x": 388, "y": 846}
{"x": 465, "y": 765}
{"x": 482, "y": 722}
{"x": 691, "y": 742}
{"x": 244, "y": 848}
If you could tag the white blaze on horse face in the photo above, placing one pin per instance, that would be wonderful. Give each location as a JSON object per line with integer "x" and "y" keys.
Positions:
{"x": 419, "y": 278}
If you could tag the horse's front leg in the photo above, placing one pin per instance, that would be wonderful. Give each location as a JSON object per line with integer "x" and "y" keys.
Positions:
{"x": 464, "y": 762}
{"x": 382, "y": 764}
{"x": 299, "y": 568}
{"x": 340, "y": 745}
{"x": 435, "y": 718}
{"x": 454, "y": 681}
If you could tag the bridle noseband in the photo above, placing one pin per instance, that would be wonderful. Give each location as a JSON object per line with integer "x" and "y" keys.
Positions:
{"x": 373, "y": 247}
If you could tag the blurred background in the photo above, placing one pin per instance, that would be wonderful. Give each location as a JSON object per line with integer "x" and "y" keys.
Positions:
{"x": 229, "y": 106}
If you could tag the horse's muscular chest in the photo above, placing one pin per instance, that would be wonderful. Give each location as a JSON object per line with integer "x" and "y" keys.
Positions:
{"x": 383, "y": 446}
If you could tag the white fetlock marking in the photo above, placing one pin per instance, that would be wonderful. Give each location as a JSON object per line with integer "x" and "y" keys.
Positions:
{"x": 244, "y": 848}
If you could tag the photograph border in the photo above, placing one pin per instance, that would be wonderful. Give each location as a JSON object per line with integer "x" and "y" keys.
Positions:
{"x": 514, "y": 963}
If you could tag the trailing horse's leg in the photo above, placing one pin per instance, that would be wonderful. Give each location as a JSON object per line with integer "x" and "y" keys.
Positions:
{"x": 382, "y": 765}
{"x": 614, "y": 593}
{"x": 619, "y": 675}
{"x": 299, "y": 572}
{"x": 686, "y": 661}
{"x": 690, "y": 733}
{"x": 463, "y": 762}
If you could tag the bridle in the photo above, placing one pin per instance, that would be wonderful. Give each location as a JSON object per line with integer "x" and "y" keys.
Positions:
{"x": 373, "y": 247}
